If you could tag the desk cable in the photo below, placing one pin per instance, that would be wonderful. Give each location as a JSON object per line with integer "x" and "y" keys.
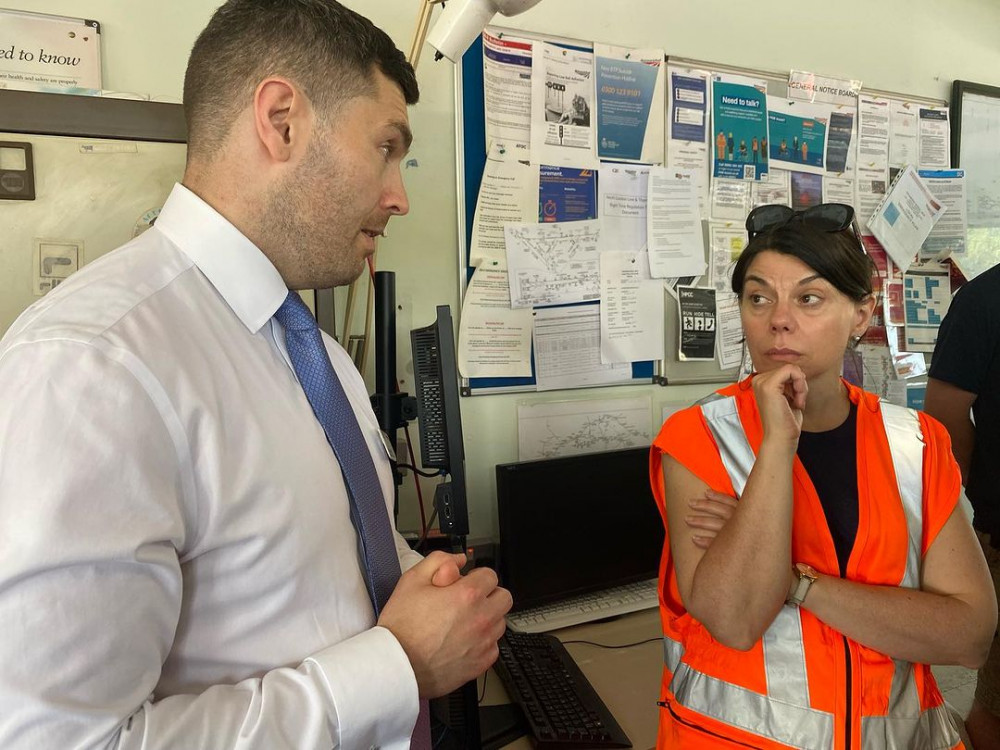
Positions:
{"x": 606, "y": 645}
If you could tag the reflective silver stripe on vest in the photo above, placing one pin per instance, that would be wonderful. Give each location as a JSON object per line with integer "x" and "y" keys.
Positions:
{"x": 906, "y": 726}
{"x": 795, "y": 726}
{"x": 724, "y": 421}
{"x": 785, "y": 659}
{"x": 673, "y": 651}
{"x": 902, "y": 428}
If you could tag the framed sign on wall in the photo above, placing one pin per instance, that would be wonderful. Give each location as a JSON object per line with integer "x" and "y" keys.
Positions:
{"x": 975, "y": 148}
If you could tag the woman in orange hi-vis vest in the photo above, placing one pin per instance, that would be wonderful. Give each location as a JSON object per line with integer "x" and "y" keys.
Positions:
{"x": 816, "y": 558}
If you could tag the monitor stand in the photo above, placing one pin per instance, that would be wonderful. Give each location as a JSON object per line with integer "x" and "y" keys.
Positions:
{"x": 500, "y": 725}
{"x": 454, "y": 725}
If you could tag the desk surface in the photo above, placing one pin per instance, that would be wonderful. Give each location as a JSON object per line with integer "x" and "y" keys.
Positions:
{"x": 627, "y": 679}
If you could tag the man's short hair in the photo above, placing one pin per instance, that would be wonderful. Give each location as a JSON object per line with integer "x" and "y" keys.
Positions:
{"x": 329, "y": 51}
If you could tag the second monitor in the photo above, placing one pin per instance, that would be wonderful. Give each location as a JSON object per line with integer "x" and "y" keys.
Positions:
{"x": 576, "y": 524}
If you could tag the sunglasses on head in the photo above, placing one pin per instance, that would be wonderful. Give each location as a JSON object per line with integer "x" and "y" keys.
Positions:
{"x": 826, "y": 217}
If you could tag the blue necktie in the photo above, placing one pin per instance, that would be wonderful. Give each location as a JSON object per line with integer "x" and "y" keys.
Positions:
{"x": 368, "y": 509}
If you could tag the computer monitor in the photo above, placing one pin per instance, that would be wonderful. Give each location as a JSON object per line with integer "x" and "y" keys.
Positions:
{"x": 435, "y": 373}
{"x": 439, "y": 418}
{"x": 576, "y": 524}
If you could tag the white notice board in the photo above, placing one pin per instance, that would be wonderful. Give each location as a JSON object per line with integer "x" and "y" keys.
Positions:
{"x": 39, "y": 52}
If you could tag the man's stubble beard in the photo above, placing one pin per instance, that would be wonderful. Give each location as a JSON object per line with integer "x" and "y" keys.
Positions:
{"x": 296, "y": 225}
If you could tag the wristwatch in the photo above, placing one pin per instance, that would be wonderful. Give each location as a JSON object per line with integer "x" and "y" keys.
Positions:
{"x": 807, "y": 576}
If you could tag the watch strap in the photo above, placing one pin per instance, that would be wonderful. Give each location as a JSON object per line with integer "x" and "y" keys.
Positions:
{"x": 806, "y": 579}
{"x": 801, "y": 589}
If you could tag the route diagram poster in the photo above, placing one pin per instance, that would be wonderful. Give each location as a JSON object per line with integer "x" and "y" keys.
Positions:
{"x": 568, "y": 428}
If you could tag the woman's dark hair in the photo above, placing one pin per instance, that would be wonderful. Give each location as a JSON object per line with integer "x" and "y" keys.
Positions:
{"x": 836, "y": 256}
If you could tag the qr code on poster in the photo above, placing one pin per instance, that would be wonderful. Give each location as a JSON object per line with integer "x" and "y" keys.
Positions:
{"x": 749, "y": 172}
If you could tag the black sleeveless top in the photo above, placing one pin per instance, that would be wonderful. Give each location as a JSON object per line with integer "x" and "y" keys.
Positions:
{"x": 831, "y": 460}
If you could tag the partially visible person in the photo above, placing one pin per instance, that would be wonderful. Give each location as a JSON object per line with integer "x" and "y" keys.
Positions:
{"x": 196, "y": 542}
{"x": 816, "y": 559}
{"x": 964, "y": 382}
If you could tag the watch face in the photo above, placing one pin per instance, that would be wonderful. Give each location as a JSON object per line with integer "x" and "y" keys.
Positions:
{"x": 807, "y": 571}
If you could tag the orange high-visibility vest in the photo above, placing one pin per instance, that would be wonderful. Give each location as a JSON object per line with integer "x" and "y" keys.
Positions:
{"x": 804, "y": 684}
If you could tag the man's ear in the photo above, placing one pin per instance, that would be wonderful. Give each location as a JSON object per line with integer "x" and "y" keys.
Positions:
{"x": 282, "y": 117}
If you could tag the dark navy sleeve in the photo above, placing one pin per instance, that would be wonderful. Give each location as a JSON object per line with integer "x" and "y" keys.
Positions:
{"x": 968, "y": 339}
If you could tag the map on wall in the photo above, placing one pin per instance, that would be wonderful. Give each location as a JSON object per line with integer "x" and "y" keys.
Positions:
{"x": 568, "y": 428}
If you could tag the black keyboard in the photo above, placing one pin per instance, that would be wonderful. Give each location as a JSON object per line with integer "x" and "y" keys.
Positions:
{"x": 559, "y": 704}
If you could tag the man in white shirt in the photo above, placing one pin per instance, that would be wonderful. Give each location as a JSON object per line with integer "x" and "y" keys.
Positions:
{"x": 178, "y": 564}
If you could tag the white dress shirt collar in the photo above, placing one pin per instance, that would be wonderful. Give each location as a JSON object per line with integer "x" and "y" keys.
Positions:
{"x": 239, "y": 271}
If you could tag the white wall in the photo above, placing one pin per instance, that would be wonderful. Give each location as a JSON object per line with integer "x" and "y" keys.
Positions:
{"x": 908, "y": 46}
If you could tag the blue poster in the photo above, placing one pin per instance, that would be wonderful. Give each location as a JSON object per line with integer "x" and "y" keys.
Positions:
{"x": 624, "y": 102}
{"x": 915, "y": 393}
{"x": 566, "y": 194}
{"x": 689, "y": 107}
{"x": 797, "y": 142}
{"x": 739, "y": 126}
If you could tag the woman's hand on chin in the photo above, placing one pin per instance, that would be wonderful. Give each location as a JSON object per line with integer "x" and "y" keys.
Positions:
{"x": 781, "y": 399}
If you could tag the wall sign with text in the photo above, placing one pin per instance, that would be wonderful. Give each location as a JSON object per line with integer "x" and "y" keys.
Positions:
{"x": 40, "y": 52}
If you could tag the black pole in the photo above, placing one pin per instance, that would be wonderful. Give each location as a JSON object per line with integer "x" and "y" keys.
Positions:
{"x": 385, "y": 352}
{"x": 385, "y": 401}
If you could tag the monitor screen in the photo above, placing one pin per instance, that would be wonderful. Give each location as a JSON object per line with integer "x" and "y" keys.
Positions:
{"x": 576, "y": 524}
